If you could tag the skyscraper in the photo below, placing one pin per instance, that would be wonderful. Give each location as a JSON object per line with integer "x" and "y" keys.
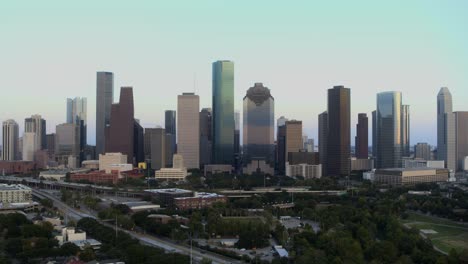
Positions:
{"x": 446, "y": 129}
{"x": 237, "y": 152}
{"x": 389, "y": 139}
{"x": 339, "y": 131}
{"x": 29, "y": 146}
{"x": 120, "y": 132}
{"x": 223, "y": 112}
{"x": 138, "y": 142}
{"x": 323, "y": 140}
{"x": 422, "y": 151}
{"x": 281, "y": 145}
{"x": 259, "y": 125}
{"x": 374, "y": 134}
{"x": 77, "y": 114}
{"x": 405, "y": 130}
{"x": 158, "y": 147}
{"x": 362, "y": 137}
{"x": 67, "y": 143}
{"x": 293, "y": 137}
{"x": 205, "y": 136}
{"x": 10, "y": 140}
{"x": 188, "y": 129}
{"x": 36, "y": 124}
{"x": 170, "y": 126}
{"x": 104, "y": 100}
{"x": 461, "y": 138}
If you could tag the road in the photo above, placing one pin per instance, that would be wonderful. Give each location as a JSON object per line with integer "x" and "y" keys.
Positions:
{"x": 168, "y": 246}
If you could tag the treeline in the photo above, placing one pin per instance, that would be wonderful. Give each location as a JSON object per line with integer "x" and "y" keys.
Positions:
{"x": 25, "y": 241}
{"x": 121, "y": 246}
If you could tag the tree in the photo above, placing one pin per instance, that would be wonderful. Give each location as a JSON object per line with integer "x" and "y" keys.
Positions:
{"x": 87, "y": 254}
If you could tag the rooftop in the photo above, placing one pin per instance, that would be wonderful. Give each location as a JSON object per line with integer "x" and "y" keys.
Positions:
{"x": 171, "y": 190}
{"x": 13, "y": 187}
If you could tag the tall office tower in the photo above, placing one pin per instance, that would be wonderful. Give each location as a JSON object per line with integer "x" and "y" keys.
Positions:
{"x": 389, "y": 141}
{"x": 205, "y": 136}
{"x": 157, "y": 138}
{"x": 237, "y": 151}
{"x": 67, "y": 143}
{"x": 104, "y": 100}
{"x": 147, "y": 143}
{"x": 461, "y": 138}
{"x": 35, "y": 124}
{"x": 223, "y": 113}
{"x": 77, "y": 114}
{"x": 405, "y": 131}
{"x": 120, "y": 132}
{"x": 422, "y": 151}
{"x": 138, "y": 142}
{"x": 10, "y": 140}
{"x": 20, "y": 147}
{"x": 339, "y": 131}
{"x": 281, "y": 149}
{"x": 308, "y": 143}
{"x": 188, "y": 129}
{"x": 362, "y": 137}
{"x": 446, "y": 129}
{"x": 374, "y": 134}
{"x": 169, "y": 151}
{"x": 323, "y": 140}
{"x": 50, "y": 139}
{"x": 281, "y": 121}
{"x": 29, "y": 146}
{"x": 170, "y": 126}
{"x": 259, "y": 125}
{"x": 293, "y": 142}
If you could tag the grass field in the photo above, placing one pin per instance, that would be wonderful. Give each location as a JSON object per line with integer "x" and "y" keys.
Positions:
{"x": 449, "y": 234}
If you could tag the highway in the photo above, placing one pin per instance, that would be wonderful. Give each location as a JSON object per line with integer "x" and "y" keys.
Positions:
{"x": 168, "y": 246}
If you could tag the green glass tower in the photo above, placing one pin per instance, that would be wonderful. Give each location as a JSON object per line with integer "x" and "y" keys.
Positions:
{"x": 223, "y": 112}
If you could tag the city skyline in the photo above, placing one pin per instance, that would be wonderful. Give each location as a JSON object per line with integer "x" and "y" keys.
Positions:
{"x": 299, "y": 63}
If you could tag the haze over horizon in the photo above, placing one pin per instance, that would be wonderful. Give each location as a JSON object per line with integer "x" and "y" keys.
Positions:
{"x": 52, "y": 50}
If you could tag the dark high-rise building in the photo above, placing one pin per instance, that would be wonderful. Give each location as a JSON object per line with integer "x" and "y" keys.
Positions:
{"x": 138, "y": 143}
{"x": 205, "y": 137}
{"x": 461, "y": 138}
{"x": 77, "y": 114}
{"x": 374, "y": 134}
{"x": 405, "y": 130}
{"x": 170, "y": 122}
{"x": 259, "y": 126}
{"x": 169, "y": 151}
{"x": 362, "y": 137}
{"x": 50, "y": 145}
{"x": 223, "y": 112}
{"x": 339, "y": 131}
{"x": 104, "y": 100}
{"x": 157, "y": 141}
{"x": 120, "y": 132}
{"x": 323, "y": 142}
{"x": 389, "y": 143}
{"x": 281, "y": 149}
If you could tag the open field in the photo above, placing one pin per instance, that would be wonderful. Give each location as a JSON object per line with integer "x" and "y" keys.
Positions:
{"x": 449, "y": 234}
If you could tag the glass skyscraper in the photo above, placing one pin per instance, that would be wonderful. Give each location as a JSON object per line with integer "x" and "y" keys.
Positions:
{"x": 223, "y": 112}
{"x": 104, "y": 100}
{"x": 259, "y": 125}
{"x": 389, "y": 132}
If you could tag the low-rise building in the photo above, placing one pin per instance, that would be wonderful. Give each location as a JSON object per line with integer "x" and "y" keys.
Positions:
{"x": 168, "y": 174}
{"x": 108, "y": 159}
{"x": 410, "y": 176}
{"x": 77, "y": 237}
{"x": 165, "y": 219}
{"x": 166, "y": 196}
{"x": 304, "y": 170}
{"x": 258, "y": 166}
{"x": 199, "y": 201}
{"x": 218, "y": 168}
{"x": 90, "y": 164}
{"x": 420, "y": 163}
{"x": 16, "y": 166}
{"x": 15, "y": 193}
{"x": 55, "y": 175}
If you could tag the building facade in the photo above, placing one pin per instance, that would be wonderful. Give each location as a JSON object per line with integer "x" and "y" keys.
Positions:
{"x": 188, "y": 129}
{"x": 77, "y": 114}
{"x": 67, "y": 143}
{"x": 15, "y": 193}
{"x": 461, "y": 138}
{"x": 389, "y": 140}
{"x": 411, "y": 176}
{"x": 446, "y": 129}
{"x": 10, "y": 134}
{"x": 36, "y": 124}
{"x": 223, "y": 112}
{"x": 104, "y": 100}
{"x": 29, "y": 146}
{"x": 323, "y": 140}
{"x": 170, "y": 122}
{"x": 120, "y": 132}
{"x": 339, "y": 131}
{"x": 259, "y": 126}
{"x": 422, "y": 151}
{"x": 293, "y": 137}
{"x": 205, "y": 137}
{"x": 362, "y": 137}
{"x": 405, "y": 131}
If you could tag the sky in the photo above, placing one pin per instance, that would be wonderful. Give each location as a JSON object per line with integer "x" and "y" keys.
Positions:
{"x": 52, "y": 49}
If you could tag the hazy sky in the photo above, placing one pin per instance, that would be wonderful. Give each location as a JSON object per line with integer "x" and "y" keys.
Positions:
{"x": 51, "y": 50}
